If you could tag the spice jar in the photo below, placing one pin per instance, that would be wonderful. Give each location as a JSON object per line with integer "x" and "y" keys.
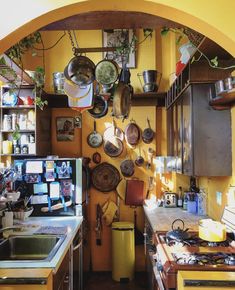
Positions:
{"x": 24, "y": 149}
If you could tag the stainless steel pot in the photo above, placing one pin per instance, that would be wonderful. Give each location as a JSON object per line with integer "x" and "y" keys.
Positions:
{"x": 80, "y": 70}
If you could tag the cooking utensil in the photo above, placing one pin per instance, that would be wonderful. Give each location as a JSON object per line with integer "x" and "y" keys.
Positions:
{"x": 105, "y": 177}
{"x": 152, "y": 79}
{"x": 132, "y": 133}
{"x": 212, "y": 231}
{"x": 113, "y": 145}
{"x": 94, "y": 139}
{"x": 113, "y": 130}
{"x": 99, "y": 227}
{"x": 80, "y": 70}
{"x": 106, "y": 73}
{"x": 100, "y": 107}
{"x": 139, "y": 161}
{"x": 134, "y": 192}
{"x": 127, "y": 168}
{"x": 148, "y": 134}
{"x": 179, "y": 233}
{"x": 96, "y": 158}
{"x": 122, "y": 100}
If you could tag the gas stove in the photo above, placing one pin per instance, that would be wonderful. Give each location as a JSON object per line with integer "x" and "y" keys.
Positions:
{"x": 192, "y": 254}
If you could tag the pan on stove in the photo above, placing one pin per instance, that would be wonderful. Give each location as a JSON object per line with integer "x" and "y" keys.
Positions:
{"x": 105, "y": 177}
{"x": 94, "y": 139}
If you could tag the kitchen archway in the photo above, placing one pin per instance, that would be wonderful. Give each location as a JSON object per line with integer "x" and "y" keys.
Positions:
{"x": 207, "y": 21}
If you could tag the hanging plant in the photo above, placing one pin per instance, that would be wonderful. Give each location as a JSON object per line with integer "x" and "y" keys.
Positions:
{"x": 194, "y": 39}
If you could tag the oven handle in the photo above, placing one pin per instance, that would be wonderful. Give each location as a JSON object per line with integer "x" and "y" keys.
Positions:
{"x": 208, "y": 283}
{"x": 156, "y": 272}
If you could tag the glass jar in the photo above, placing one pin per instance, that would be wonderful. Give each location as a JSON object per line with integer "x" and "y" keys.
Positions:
{"x": 22, "y": 122}
{"x": 6, "y": 124}
{"x": 13, "y": 121}
{"x": 24, "y": 149}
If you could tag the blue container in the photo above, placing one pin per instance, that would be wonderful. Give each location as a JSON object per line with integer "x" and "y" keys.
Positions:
{"x": 192, "y": 206}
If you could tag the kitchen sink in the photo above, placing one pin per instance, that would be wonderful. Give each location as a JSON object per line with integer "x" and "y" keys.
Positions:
{"x": 35, "y": 247}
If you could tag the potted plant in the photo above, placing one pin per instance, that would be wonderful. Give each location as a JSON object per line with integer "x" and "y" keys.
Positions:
{"x": 17, "y": 51}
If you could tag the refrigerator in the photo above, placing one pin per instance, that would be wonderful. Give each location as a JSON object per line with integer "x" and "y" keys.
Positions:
{"x": 53, "y": 186}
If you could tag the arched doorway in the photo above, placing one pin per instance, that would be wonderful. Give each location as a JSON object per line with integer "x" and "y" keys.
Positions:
{"x": 208, "y": 20}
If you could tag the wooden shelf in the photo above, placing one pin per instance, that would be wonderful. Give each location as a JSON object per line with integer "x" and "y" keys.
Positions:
{"x": 18, "y": 107}
{"x": 20, "y": 131}
{"x": 226, "y": 98}
{"x": 138, "y": 99}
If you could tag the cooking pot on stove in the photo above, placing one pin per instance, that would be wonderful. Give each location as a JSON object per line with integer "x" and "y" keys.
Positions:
{"x": 178, "y": 233}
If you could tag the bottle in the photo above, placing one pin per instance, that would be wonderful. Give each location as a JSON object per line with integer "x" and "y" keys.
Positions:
{"x": 185, "y": 202}
{"x": 201, "y": 202}
{"x": 180, "y": 197}
{"x": 6, "y": 122}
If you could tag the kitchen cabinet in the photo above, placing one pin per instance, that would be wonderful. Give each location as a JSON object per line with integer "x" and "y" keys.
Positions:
{"x": 25, "y": 279}
{"x": 61, "y": 280}
{"x": 200, "y": 136}
{"x": 20, "y": 116}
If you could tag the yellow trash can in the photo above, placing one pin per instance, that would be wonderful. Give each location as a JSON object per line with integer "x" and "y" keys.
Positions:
{"x": 123, "y": 251}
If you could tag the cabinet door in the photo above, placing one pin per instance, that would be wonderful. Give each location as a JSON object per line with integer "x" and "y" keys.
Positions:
{"x": 211, "y": 135}
{"x": 61, "y": 278}
{"x": 187, "y": 157}
{"x": 179, "y": 136}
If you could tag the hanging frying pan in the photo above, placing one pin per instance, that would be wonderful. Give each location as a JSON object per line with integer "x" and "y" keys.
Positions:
{"x": 96, "y": 157}
{"x": 148, "y": 134}
{"x": 100, "y": 107}
{"x": 122, "y": 100}
{"x": 94, "y": 139}
{"x": 113, "y": 145}
{"x": 113, "y": 130}
{"x": 106, "y": 73}
{"x": 139, "y": 161}
{"x": 105, "y": 177}
{"x": 132, "y": 133}
{"x": 127, "y": 168}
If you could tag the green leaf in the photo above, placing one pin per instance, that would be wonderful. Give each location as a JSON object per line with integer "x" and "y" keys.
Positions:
{"x": 165, "y": 30}
{"x": 193, "y": 59}
{"x": 3, "y": 61}
{"x": 214, "y": 61}
{"x": 178, "y": 40}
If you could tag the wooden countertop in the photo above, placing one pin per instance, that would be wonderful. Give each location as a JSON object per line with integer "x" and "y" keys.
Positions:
{"x": 161, "y": 218}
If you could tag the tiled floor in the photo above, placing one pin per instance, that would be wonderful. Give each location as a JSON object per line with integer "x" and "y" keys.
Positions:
{"x": 103, "y": 281}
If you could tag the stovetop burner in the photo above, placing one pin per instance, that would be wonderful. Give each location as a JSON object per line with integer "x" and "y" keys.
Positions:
{"x": 204, "y": 259}
{"x": 194, "y": 241}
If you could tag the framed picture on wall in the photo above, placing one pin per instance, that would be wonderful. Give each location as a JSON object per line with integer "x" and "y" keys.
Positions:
{"x": 116, "y": 38}
{"x": 65, "y": 128}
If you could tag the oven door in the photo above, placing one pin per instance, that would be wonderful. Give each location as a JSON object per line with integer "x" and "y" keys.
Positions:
{"x": 206, "y": 280}
{"x": 154, "y": 278}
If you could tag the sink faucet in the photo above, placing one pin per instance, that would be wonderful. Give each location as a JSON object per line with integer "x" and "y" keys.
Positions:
{"x": 2, "y": 230}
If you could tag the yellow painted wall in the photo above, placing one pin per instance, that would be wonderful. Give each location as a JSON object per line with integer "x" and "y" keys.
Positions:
{"x": 101, "y": 255}
{"x": 212, "y": 19}
{"x": 56, "y": 59}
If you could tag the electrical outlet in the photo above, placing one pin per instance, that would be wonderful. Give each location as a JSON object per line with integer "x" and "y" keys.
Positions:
{"x": 219, "y": 197}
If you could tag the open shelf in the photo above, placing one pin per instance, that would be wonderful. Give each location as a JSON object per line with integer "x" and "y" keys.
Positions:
{"x": 226, "y": 98}
{"x": 138, "y": 99}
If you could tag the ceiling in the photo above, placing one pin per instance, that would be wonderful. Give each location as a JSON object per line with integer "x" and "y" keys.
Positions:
{"x": 104, "y": 20}
{"x": 110, "y": 20}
